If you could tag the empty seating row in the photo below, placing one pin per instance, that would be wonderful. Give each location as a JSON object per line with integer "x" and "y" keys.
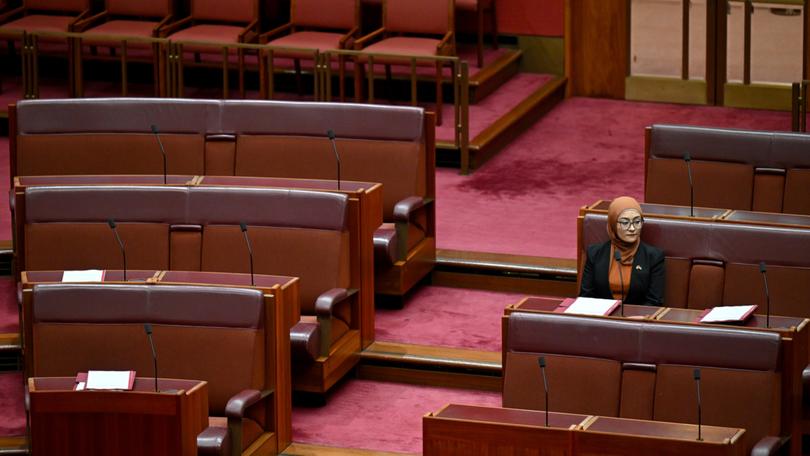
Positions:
{"x": 734, "y": 169}
{"x": 394, "y": 146}
{"x": 644, "y": 370}
{"x": 715, "y": 262}
{"x": 310, "y": 235}
{"x": 225, "y": 336}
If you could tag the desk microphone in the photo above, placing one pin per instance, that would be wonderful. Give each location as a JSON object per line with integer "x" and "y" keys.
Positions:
{"x": 162, "y": 150}
{"x": 618, "y": 257}
{"x": 764, "y": 272}
{"x": 148, "y": 328}
{"x": 243, "y": 225}
{"x": 696, "y": 375}
{"x": 688, "y": 161}
{"x": 542, "y": 362}
{"x": 331, "y": 134}
{"x": 114, "y": 228}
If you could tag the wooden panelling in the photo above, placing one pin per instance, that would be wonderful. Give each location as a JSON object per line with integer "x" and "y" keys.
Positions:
{"x": 597, "y": 43}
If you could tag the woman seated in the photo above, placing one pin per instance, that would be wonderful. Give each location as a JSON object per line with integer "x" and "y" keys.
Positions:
{"x": 624, "y": 267}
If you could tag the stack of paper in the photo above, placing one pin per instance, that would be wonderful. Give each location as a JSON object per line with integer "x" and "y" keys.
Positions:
{"x": 728, "y": 314}
{"x": 592, "y": 306}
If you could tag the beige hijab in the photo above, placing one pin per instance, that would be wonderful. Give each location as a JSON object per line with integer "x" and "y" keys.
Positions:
{"x": 617, "y": 207}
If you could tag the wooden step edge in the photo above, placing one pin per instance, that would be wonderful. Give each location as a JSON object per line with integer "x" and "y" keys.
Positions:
{"x": 517, "y": 113}
{"x": 10, "y": 342}
{"x": 13, "y": 445}
{"x": 492, "y": 70}
{"x": 506, "y": 262}
{"x": 430, "y": 356}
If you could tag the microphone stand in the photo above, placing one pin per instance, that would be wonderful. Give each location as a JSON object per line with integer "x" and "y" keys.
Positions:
{"x": 688, "y": 161}
{"x": 331, "y": 135}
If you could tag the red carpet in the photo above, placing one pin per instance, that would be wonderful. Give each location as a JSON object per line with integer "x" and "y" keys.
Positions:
{"x": 449, "y": 317}
{"x": 12, "y": 421}
{"x": 377, "y": 415}
{"x": 525, "y": 200}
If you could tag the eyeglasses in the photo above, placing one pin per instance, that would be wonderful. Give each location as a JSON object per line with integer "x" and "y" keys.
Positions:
{"x": 636, "y": 222}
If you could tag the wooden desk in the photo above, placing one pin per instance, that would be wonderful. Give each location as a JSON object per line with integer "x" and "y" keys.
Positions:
{"x": 137, "y": 422}
{"x": 474, "y": 430}
{"x": 793, "y": 331}
{"x": 605, "y": 436}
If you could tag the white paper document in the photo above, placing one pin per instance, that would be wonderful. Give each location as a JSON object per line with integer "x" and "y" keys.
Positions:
{"x": 591, "y": 306}
{"x": 108, "y": 380}
{"x": 727, "y": 313}
{"x": 89, "y": 275}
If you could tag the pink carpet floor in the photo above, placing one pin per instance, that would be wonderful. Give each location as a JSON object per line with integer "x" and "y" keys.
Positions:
{"x": 378, "y": 415}
{"x": 12, "y": 422}
{"x": 525, "y": 200}
{"x": 448, "y": 317}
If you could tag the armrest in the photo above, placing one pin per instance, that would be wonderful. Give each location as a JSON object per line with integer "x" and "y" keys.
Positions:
{"x": 363, "y": 40}
{"x": 327, "y": 301}
{"x": 768, "y": 445}
{"x": 447, "y": 39}
{"x": 174, "y": 26}
{"x": 159, "y": 27}
{"x": 9, "y": 14}
{"x": 345, "y": 38}
{"x": 214, "y": 441}
{"x": 247, "y": 35}
{"x": 238, "y": 404}
{"x": 91, "y": 21}
{"x": 82, "y": 16}
{"x": 265, "y": 37}
{"x": 406, "y": 207}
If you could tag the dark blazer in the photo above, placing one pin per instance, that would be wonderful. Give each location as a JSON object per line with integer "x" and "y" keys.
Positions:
{"x": 646, "y": 282}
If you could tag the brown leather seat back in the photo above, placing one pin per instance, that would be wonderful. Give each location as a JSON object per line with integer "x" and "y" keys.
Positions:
{"x": 740, "y": 382}
{"x": 295, "y": 233}
{"x": 575, "y": 356}
{"x": 67, "y": 227}
{"x": 201, "y": 333}
{"x": 106, "y": 136}
{"x": 376, "y": 144}
{"x": 419, "y": 16}
{"x": 142, "y": 8}
{"x": 645, "y": 370}
{"x": 57, "y": 5}
{"x": 732, "y": 169}
{"x": 334, "y": 14}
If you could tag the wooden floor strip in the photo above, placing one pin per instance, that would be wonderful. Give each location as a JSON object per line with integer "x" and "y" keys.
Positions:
{"x": 435, "y": 356}
{"x": 506, "y": 262}
{"x": 302, "y": 449}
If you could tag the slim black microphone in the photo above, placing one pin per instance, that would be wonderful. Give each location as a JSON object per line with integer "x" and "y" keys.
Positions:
{"x": 618, "y": 257}
{"x": 542, "y": 362}
{"x": 688, "y": 161}
{"x": 114, "y": 229}
{"x": 243, "y": 225}
{"x": 148, "y": 328}
{"x": 331, "y": 134}
{"x": 162, "y": 150}
{"x": 764, "y": 272}
{"x": 696, "y": 375}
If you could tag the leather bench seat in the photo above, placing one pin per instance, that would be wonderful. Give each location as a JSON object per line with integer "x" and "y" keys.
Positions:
{"x": 221, "y": 335}
{"x": 385, "y": 144}
{"x": 293, "y": 232}
{"x": 732, "y": 169}
{"x": 644, "y": 370}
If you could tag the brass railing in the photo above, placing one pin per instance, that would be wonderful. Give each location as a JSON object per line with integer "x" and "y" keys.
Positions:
{"x": 799, "y": 106}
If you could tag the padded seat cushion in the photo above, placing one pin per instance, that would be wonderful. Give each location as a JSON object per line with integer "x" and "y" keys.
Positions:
{"x": 207, "y": 32}
{"x": 250, "y": 429}
{"x": 406, "y": 46}
{"x": 308, "y": 40}
{"x": 123, "y": 28}
{"x": 38, "y": 23}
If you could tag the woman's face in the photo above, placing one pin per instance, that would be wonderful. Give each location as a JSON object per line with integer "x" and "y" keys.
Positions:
{"x": 628, "y": 226}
